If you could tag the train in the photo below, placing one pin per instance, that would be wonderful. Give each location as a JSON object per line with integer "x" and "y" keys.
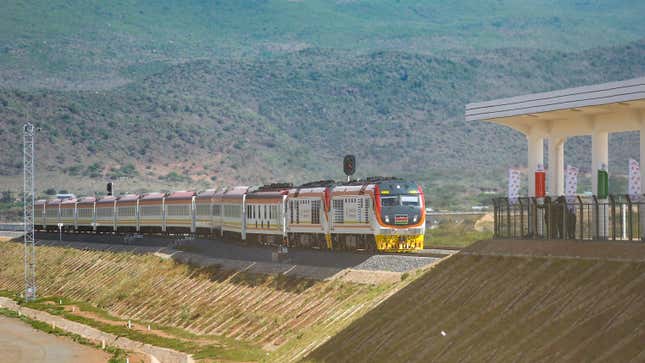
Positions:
{"x": 376, "y": 214}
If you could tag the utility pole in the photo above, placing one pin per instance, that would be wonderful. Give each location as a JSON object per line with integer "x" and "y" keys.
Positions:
{"x": 28, "y": 199}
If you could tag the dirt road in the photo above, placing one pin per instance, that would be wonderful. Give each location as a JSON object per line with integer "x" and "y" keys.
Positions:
{"x": 20, "y": 343}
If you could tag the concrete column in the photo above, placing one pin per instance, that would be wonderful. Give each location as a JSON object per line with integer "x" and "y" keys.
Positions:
{"x": 536, "y": 156}
{"x": 599, "y": 156}
{"x": 556, "y": 165}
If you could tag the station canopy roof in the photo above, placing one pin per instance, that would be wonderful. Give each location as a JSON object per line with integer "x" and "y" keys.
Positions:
{"x": 618, "y": 105}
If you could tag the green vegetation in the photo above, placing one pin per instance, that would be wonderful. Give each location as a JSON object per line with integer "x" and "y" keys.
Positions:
{"x": 10, "y": 208}
{"x": 454, "y": 236}
{"x": 293, "y": 117}
{"x": 127, "y": 170}
{"x": 118, "y": 355}
{"x": 459, "y": 231}
{"x": 173, "y": 176}
{"x": 234, "y": 350}
{"x": 204, "y": 311}
{"x": 232, "y": 92}
{"x": 117, "y": 42}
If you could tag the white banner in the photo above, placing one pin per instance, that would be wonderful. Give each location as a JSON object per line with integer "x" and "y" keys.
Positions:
{"x": 513, "y": 185}
{"x": 571, "y": 186}
{"x": 634, "y": 179}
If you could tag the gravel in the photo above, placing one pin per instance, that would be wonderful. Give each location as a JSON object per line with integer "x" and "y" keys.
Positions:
{"x": 395, "y": 263}
{"x": 236, "y": 251}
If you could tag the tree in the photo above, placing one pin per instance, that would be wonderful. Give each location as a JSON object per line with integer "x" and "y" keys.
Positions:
{"x": 6, "y": 197}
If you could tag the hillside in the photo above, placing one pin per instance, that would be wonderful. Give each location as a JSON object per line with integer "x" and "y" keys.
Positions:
{"x": 215, "y": 122}
{"x": 165, "y": 95}
{"x": 505, "y": 308}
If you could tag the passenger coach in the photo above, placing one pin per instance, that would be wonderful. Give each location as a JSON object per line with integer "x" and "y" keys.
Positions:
{"x": 384, "y": 214}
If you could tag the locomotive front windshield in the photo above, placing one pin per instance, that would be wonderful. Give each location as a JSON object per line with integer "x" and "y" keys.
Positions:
{"x": 400, "y": 200}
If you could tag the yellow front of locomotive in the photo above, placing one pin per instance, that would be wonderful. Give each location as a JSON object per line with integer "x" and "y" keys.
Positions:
{"x": 400, "y": 215}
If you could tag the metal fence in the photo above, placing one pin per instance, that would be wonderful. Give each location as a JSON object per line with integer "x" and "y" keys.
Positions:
{"x": 580, "y": 218}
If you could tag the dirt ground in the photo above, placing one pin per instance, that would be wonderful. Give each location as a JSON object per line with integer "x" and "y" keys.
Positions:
{"x": 20, "y": 343}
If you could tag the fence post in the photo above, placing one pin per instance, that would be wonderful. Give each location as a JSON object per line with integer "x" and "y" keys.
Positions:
{"x": 547, "y": 217}
{"x": 519, "y": 201}
{"x": 596, "y": 218}
{"x": 582, "y": 218}
{"x": 508, "y": 218}
{"x": 640, "y": 219}
{"x": 495, "y": 218}
{"x": 612, "y": 213}
{"x": 630, "y": 226}
{"x": 533, "y": 215}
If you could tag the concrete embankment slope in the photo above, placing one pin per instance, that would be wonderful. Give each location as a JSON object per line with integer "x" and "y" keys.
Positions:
{"x": 510, "y": 301}
{"x": 279, "y": 316}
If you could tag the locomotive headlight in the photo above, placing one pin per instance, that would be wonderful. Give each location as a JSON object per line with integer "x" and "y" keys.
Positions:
{"x": 387, "y": 219}
{"x": 414, "y": 219}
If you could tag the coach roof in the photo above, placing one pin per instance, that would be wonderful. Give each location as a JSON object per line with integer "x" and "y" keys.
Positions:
{"x": 182, "y": 194}
{"x": 86, "y": 200}
{"x": 153, "y": 196}
{"x": 128, "y": 197}
{"x": 107, "y": 199}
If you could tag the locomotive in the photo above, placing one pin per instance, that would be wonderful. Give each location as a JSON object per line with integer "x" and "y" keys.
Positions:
{"x": 375, "y": 214}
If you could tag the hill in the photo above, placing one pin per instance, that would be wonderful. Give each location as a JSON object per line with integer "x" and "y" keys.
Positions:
{"x": 94, "y": 44}
{"x": 165, "y": 95}
{"x": 501, "y": 307}
{"x": 216, "y": 122}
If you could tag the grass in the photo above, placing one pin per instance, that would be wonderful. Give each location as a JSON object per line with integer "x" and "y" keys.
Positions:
{"x": 458, "y": 233}
{"x": 453, "y": 237}
{"x": 230, "y": 315}
{"x": 118, "y": 355}
{"x": 231, "y": 349}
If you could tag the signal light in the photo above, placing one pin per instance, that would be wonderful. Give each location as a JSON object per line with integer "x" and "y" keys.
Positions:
{"x": 349, "y": 165}
{"x": 109, "y": 188}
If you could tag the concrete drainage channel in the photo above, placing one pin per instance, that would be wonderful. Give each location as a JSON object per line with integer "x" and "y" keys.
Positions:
{"x": 156, "y": 354}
